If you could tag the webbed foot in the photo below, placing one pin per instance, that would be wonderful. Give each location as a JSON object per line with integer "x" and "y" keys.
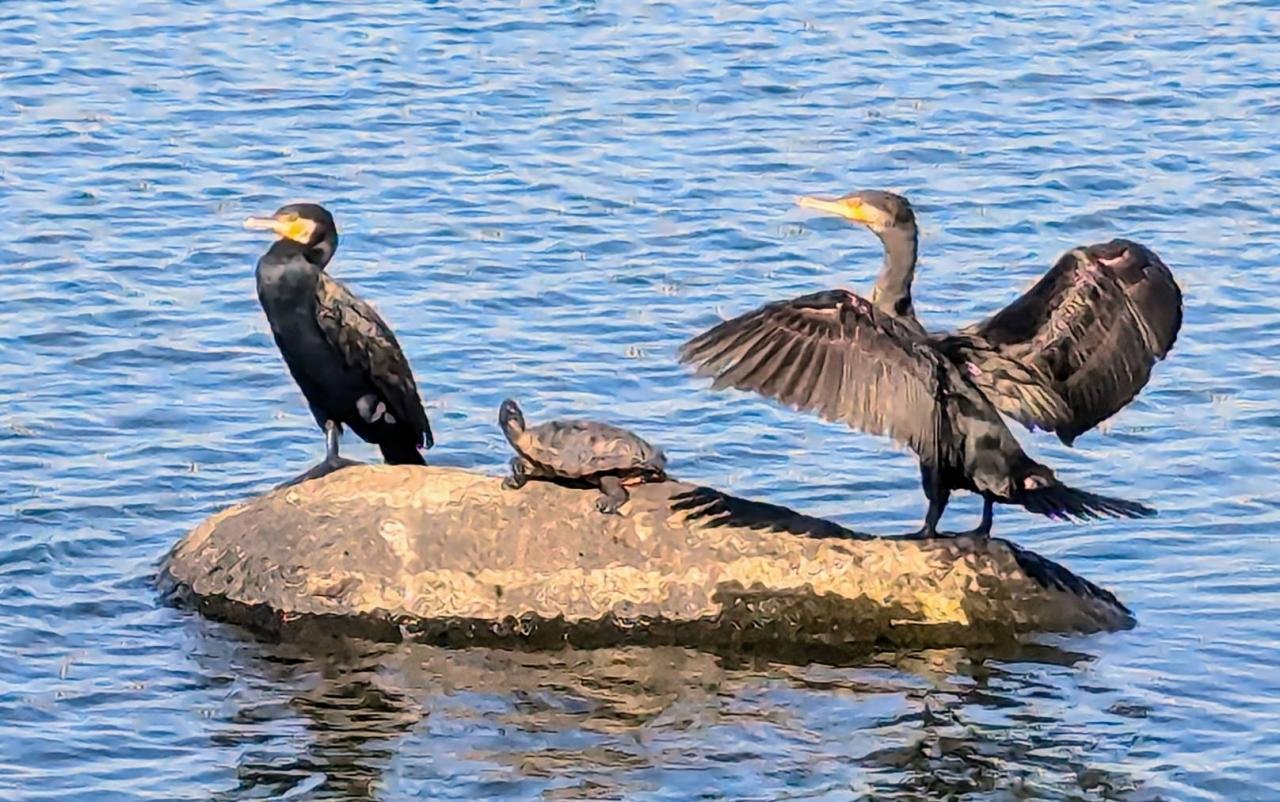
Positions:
{"x": 924, "y": 533}
{"x": 327, "y": 466}
{"x": 980, "y": 532}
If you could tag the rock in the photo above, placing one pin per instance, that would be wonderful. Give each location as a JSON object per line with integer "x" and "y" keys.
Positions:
{"x": 448, "y": 556}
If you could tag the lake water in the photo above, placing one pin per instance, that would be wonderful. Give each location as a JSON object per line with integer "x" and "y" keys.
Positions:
{"x": 544, "y": 200}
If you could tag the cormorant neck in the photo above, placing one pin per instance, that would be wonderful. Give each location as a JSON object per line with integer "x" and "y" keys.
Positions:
{"x": 892, "y": 292}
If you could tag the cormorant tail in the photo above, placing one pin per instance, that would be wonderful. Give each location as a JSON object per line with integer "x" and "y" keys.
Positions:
{"x": 401, "y": 453}
{"x": 1061, "y": 501}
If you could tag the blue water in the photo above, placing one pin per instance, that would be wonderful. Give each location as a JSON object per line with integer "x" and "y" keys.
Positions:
{"x": 544, "y": 199}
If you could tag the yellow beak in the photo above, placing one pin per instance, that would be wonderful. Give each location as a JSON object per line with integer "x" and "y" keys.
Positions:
{"x": 298, "y": 229}
{"x": 848, "y": 208}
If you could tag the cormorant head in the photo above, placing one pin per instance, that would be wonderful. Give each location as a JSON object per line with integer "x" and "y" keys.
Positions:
{"x": 308, "y": 224}
{"x": 876, "y": 209}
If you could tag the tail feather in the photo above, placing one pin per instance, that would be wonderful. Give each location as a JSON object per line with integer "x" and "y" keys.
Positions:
{"x": 401, "y": 453}
{"x": 1063, "y": 502}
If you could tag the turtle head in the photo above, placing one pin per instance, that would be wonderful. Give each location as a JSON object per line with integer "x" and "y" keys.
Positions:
{"x": 511, "y": 419}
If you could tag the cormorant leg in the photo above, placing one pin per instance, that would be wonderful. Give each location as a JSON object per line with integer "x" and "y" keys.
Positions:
{"x": 988, "y": 514}
{"x": 930, "y": 529}
{"x": 332, "y": 438}
{"x": 519, "y": 474}
{"x": 331, "y": 462}
{"x": 612, "y": 495}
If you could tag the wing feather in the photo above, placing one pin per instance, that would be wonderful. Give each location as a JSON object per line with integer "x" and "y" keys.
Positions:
{"x": 1086, "y": 335}
{"x": 366, "y": 343}
{"x": 809, "y": 383}
{"x": 749, "y": 358}
{"x": 834, "y": 354}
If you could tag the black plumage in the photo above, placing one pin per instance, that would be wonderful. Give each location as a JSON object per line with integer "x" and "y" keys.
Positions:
{"x": 1068, "y": 354}
{"x": 1087, "y": 335}
{"x": 341, "y": 353}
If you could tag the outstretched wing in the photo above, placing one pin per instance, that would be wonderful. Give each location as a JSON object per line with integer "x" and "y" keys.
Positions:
{"x": 834, "y": 354}
{"x": 366, "y": 343}
{"x": 1091, "y": 330}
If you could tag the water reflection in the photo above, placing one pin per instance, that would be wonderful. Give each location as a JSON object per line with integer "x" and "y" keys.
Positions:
{"x": 348, "y": 719}
{"x": 334, "y": 694}
{"x": 1000, "y": 726}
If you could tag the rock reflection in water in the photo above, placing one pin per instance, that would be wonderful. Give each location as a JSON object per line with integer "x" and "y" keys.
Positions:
{"x": 357, "y": 720}
{"x": 323, "y": 722}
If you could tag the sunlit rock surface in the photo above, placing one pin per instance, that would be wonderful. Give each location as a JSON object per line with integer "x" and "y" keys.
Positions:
{"x": 449, "y": 556}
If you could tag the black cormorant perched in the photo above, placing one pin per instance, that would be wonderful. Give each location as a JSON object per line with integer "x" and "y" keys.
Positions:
{"x": 1065, "y": 356}
{"x": 342, "y": 355}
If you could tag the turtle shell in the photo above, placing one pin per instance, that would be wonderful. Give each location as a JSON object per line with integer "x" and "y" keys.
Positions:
{"x": 576, "y": 449}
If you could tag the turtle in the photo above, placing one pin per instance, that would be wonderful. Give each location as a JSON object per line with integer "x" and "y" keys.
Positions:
{"x": 596, "y": 454}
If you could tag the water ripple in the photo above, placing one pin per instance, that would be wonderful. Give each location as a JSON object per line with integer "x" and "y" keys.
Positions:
{"x": 545, "y": 199}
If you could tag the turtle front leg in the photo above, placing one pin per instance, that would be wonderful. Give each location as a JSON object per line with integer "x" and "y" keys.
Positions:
{"x": 612, "y": 495}
{"x": 520, "y": 470}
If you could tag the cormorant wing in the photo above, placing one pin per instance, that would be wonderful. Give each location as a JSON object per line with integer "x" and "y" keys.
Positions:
{"x": 834, "y": 354}
{"x": 1020, "y": 390}
{"x": 366, "y": 342}
{"x": 1092, "y": 327}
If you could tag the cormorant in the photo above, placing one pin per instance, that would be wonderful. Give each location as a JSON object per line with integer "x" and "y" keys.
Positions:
{"x": 1065, "y": 356}
{"x": 343, "y": 356}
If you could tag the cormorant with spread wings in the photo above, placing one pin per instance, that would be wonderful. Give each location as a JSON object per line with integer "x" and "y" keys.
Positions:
{"x": 1065, "y": 356}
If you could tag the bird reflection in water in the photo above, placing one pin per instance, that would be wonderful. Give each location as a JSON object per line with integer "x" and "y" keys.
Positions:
{"x": 1000, "y": 725}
